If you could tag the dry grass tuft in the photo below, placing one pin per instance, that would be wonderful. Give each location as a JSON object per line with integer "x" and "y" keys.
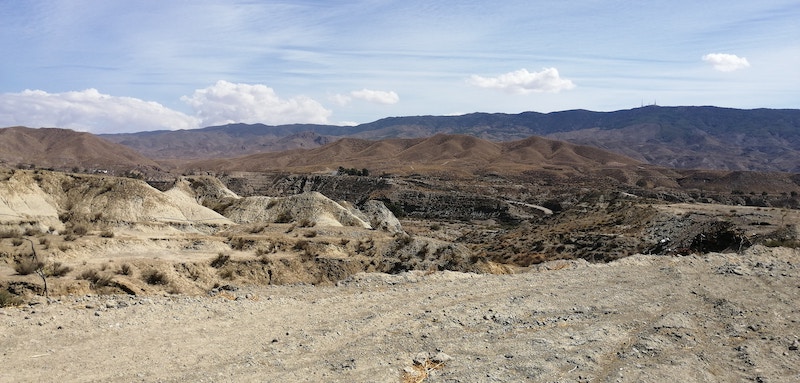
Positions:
{"x": 420, "y": 371}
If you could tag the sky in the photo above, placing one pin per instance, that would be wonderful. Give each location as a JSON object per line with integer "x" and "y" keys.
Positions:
{"x": 108, "y": 66}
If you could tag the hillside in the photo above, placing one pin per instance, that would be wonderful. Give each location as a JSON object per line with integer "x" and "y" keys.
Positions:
{"x": 683, "y": 137}
{"x": 455, "y": 154}
{"x": 67, "y": 149}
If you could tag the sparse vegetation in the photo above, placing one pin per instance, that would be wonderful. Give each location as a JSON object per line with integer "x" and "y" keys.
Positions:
{"x": 107, "y": 234}
{"x": 155, "y": 277}
{"x": 57, "y": 269}
{"x": 126, "y": 269}
{"x": 7, "y": 299}
{"x": 10, "y": 233}
{"x": 97, "y": 278}
{"x": 220, "y": 260}
{"x": 28, "y": 265}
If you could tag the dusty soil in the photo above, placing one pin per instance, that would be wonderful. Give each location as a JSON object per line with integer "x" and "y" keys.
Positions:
{"x": 704, "y": 318}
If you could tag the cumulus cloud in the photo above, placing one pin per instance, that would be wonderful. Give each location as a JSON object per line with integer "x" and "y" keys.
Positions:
{"x": 225, "y": 102}
{"x": 88, "y": 110}
{"x": 725, "y": 62}
{"x": 524, "y": 82}
{"x": 376, "y": 96}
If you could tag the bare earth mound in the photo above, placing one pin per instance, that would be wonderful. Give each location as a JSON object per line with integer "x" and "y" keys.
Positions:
{"x": 712, "y": 318}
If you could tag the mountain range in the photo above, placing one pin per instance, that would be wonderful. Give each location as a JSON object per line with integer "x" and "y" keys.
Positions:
{"x": 680, "y": 137}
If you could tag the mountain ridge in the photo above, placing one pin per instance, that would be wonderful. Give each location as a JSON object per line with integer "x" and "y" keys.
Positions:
{"x": 681, "y": 136}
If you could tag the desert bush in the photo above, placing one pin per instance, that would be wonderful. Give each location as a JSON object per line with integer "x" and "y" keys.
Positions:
{"x": 284, "y": 217}
{"x": 32, "y": 231}
{"x": 239, "y": 243}
{"x": 70, "y": 237}
{"x": 310, "y": 234}
{"x": 125, "y": 269}
{"x": 17, "y": 241}
{"x": 107, "y": 234}
{"x": 97, "y": 278}
{"x": 436, "y": 227}
{"x": 7, "y": 299}
{"x": 57, "y": 269}
{"x": 44, "y": 242}
{"x": 10, "y": 233}
{"x": 301, "y": 245}
{"x": 64, "y": 247}
{"x": 227, "y": 273}
{"x": 28, "y": 265}
{"x": 155, "y": 277}
{"x": 79, "y": 230}
{"x": 307, "y": 223}
{"x": 220, "y": 260}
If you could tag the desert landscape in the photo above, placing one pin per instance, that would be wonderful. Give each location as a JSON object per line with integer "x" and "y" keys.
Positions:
{"x": 435, "y": 259}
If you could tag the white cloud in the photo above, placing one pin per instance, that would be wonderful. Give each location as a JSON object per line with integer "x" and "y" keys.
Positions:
{"x": 340, "y": 99}
{"x": 524, "y": 82}
{"x": 377, "y": 96}
{"x": 88, "y": 110}
{"x": 226, "y": 102}
{"x": 724, "y": 62}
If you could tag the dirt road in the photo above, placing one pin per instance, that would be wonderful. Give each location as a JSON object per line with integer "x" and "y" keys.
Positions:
{"x": 711, "y": 318}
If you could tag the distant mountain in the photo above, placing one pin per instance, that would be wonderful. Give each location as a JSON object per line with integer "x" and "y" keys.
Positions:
{"x": 66, "y": 149}
{"x": 682, "y": 137}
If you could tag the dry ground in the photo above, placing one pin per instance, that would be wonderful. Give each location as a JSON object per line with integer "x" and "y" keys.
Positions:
{"x": 716, "y": 317}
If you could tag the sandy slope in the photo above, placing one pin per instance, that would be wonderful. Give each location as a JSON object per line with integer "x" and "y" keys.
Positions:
{"x": 720, "y": 317}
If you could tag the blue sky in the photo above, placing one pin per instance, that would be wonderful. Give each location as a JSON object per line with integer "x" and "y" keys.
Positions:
{"x": 119, "y": 66}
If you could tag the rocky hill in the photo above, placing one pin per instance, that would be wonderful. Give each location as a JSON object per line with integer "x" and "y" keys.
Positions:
{"x": 683, "y": 137}
{"x": 67, "y": 149}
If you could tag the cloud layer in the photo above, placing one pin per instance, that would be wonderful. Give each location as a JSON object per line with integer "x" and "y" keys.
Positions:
{"x": 88, "y": 110}
{"x": 225, "y": 102}
{"x": 219, "y": 104}
{"x": 524, "y": 82}
{"x": 725, "y": 62}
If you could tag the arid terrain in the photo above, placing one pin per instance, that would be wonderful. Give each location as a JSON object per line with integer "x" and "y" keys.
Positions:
{"x": 701, "y": 318}
{"x": 447, "y": 258}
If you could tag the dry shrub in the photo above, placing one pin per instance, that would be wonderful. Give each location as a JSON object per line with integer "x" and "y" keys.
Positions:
{"x": 79, "y": 230}
{"x": 28, "y": 265}
{"x": 17, "y": 241}
{"x": 57, "y": 269}
{"x": 220, "y": 260}
{"x": 420, "y": 371}
{"x": 32, "y": 231}
{"x": 70, "y": 237}
{"x": 125, "y": 269}
{"x": 107, "y": 234}
{"x": 310, "y": 234}
{"x": 155, "y": 277}
{"x": 7, "y": 299}
{"x": 97, "y": 278}
{"x": 10, "y": 233}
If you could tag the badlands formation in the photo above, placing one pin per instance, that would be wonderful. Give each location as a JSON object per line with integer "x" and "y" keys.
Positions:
{"x": 111, "y": 279}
